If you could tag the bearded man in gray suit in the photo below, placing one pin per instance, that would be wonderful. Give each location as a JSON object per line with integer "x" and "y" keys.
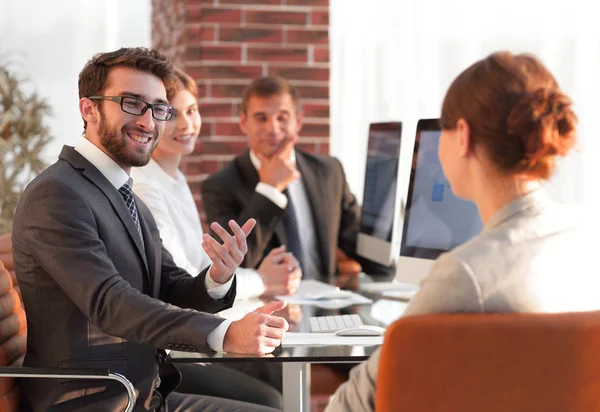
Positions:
{"x": 99, "y": 289}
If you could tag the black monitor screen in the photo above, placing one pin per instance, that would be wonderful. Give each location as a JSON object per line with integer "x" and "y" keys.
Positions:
{"x": 379, "y": 198}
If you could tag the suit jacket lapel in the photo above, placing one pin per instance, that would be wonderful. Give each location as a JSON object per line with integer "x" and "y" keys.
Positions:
{"x": 98, "y": 179}
{"x": 250, "y": 176}
{"x": 317, "y": 196}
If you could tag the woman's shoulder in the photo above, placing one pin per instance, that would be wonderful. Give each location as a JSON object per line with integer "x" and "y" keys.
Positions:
{"x": 523, "y": 233}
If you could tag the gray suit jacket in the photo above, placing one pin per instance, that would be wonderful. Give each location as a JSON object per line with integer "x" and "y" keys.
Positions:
{"x": 95, "y": 296}
{"x": 530, "y": 257}
{"x": 230, "y": 194}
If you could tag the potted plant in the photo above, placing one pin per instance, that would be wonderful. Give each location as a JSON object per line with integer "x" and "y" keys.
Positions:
{"x": 23, "y": 135}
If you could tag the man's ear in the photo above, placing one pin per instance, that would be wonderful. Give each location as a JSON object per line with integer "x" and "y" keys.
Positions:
{"x": 88, "y": 110}
{"x": 299, "y": 120}
{"x": 464, "y": 137}
{"x": 243, "y": 122}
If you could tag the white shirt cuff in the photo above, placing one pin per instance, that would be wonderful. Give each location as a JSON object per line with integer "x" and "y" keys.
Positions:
{"x": 217, "y": 290}
{"x": 272, "y": 194}
{"x": 217, "y": 336}
{"x": 249, "y": 284}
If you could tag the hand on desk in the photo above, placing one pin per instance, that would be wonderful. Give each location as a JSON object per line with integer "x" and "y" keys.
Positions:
{"x": 257, "y": 332}
{"x": 228, "y": 256}
{"x": 280, "y": 272}
{"x": 291, "y": 313}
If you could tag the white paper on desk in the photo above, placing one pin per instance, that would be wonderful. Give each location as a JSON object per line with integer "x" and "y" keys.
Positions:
{"x": 324, "y": 295}
{"x": 326, "y": 339}
{"x": 337, "y": 303}
{"x": 382, "y": 287}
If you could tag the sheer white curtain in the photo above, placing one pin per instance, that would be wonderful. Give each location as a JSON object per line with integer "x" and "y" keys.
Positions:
{"x": 395, "y": 59}
{"x": 49, "y": 42}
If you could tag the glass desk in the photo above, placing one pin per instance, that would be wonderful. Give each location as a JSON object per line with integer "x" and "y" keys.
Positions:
{"x": 296, "y": 360}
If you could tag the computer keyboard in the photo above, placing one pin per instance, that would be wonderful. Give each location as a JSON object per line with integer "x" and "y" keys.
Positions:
{"x": 333, "y": 323}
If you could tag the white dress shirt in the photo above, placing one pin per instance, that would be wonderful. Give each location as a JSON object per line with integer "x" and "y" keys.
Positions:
{"x": 118, "y": 177}
{"x": 306, "y": 225}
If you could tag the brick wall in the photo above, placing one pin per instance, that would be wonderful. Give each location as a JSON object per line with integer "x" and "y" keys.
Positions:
{"x": 224, "y": 44}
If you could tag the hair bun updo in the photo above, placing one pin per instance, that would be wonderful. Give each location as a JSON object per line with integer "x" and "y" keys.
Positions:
{"x": 544, "y": 124}
{"x": 516, "y": 112}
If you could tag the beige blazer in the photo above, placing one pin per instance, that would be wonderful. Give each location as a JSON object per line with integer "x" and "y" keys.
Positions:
{"x": 534, "y": 255}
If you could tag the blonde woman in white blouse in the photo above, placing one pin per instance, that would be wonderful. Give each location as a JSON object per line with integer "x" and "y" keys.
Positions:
{"x": 164, "y": 189}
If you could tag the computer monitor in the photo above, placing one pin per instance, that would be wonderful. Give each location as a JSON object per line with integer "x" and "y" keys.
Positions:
{"x": 435, "y": 220}
{"x": 379, "y": 235}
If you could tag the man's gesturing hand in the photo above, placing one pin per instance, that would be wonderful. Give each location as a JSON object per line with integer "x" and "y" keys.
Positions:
{"x": 257, "y": 332}
{"x": 227, "y": 257}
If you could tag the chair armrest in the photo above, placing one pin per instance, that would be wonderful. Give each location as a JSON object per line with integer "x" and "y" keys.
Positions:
{"x": 346, "y": 266}
{"x": 72, "y": 373}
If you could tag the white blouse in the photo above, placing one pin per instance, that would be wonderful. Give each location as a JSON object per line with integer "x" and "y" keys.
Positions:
{"x": 172, "y": 205}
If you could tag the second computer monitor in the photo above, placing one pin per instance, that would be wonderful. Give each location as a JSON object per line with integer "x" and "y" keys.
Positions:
{"x": 435, "y": 220}
{"x": 379, "y": 237}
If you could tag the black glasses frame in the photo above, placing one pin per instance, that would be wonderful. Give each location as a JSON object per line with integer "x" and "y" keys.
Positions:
{"x": 170, "y": 110}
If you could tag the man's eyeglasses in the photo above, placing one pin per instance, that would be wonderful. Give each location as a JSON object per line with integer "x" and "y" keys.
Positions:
{"x": 132, "y": 105}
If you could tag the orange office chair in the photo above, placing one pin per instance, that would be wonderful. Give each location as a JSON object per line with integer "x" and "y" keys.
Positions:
{"x": 13, "y": 332}
{"x": 346, "y": 266}
{"x": 491, "y": 362}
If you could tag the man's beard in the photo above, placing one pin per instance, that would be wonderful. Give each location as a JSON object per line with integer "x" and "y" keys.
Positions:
{"x": 115, "y": 143}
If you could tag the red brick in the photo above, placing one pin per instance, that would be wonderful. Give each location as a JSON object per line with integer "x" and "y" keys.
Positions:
{"x": 320, "y": 18}
{"x": 250, "y": 35}
{"x": 219, "y": 147}
{"x": 216, "y": 110}
{"x": 307, "y": 147}
{"x": 195, "y": 186}
{"x": 276, "y": 17}
{"x": 226, "y": 72}
{"x": 277, "y": 54}
{"x": 206, "y": 130}
{"x": 300, "y": 73}
{"x": 312, "y": 129}
{"x": 307, "y": 36}
{"x": 206, "y": 14}
{"x": 202, "y": 89}
{"x": 198, "y": 34}
{"x": 312, "y": 92}
{"x": 228, "y": 90}
{"x": 228, "y": 129}
{"x": 316, "y": 110}
{"x": 314, "y": 147}
{"x": 201, "y": 167}
{"x": 199, "y": 201}
{"x": 253, "y": 2}
{"x": 323, "y": 3}
{"x": 197, "y": 3}
{"x": 214, "y": 52}
{"x": 321, "y": 55}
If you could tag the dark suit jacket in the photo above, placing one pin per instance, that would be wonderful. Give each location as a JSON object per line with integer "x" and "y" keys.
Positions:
{"x": 95, "y": 296}
{"x": 230, "y": 194}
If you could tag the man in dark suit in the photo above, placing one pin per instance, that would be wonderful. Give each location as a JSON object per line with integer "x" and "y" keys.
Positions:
{"x": 298, "y": 199}
{"x": 99, "y": 289}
